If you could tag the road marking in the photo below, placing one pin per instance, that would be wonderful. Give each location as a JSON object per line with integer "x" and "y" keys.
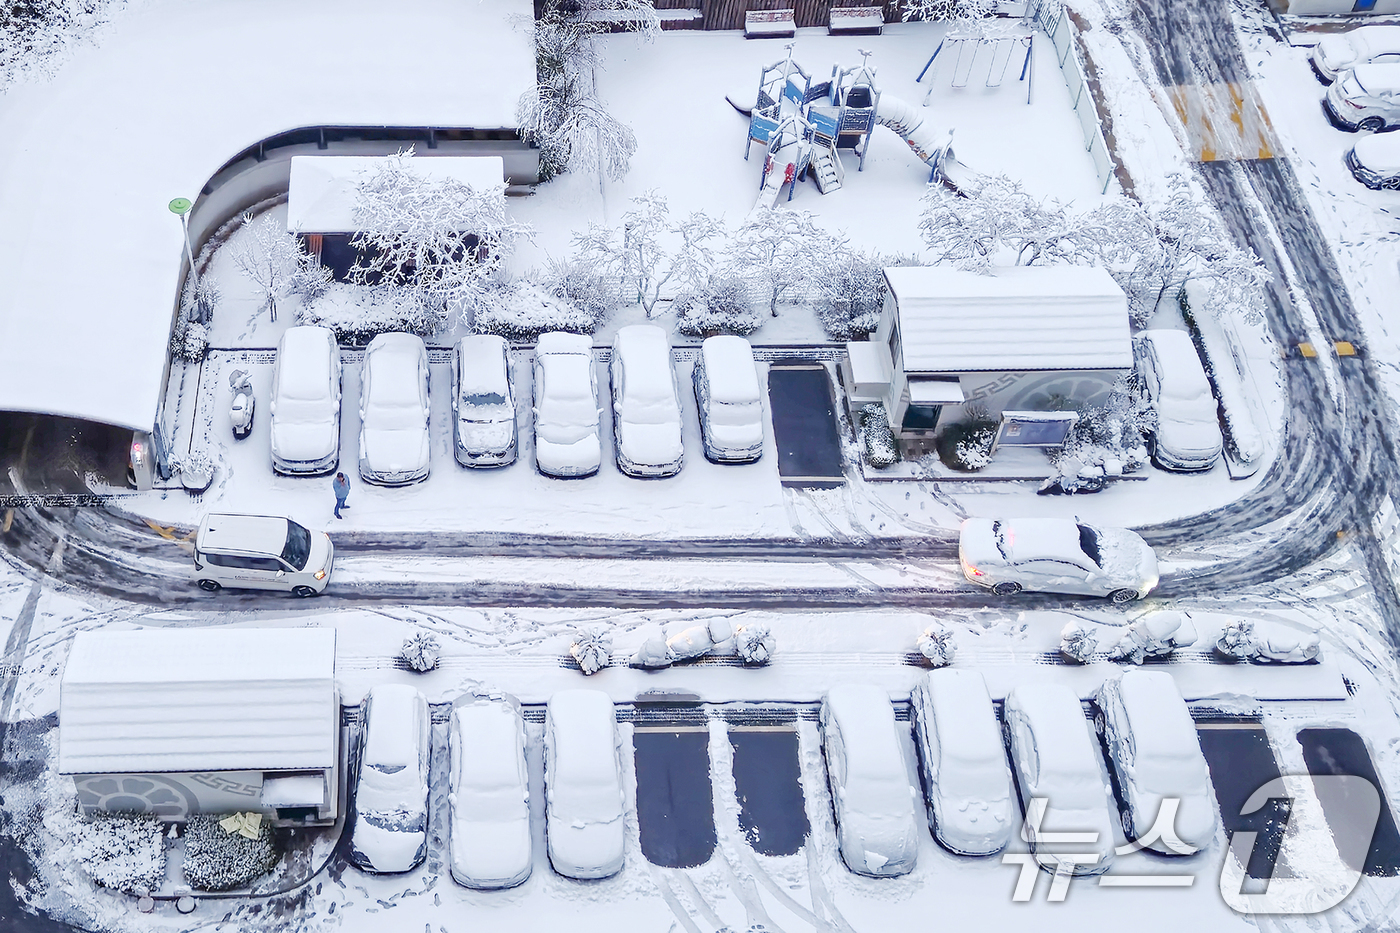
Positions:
{"x": 9, "y": 520}
{"x": 1305, "y": 349}
{"x": 168, "y": 532}
{"x": 1224, "y": 121}
{"x": 1345, "y": 348}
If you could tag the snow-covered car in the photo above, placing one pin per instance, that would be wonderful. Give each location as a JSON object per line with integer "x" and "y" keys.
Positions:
{"x": 1365, "y": 98}
{"x": 1154, "y": 749}
{"x": 394, "y": 411}
{"x": 646, "y": 403}
{"x": 965, "y": 773}
{"x": 489, "y": 794}
{"x": 390, "y": 833}
{"x": 728, "y": 398}
{"x": 1367, "y": 45}
{"x": 1375, "y": 161}
{"x": 1056, "y": 555}
{"x": 306, "y": 402}
{"x": 1063, "y": 790}
{"x": 1187, "y": 435}
{"x": 583, "y": 785}
{"x": 870, "y": 790}
{"x": 261, "y": 552}
{"x": 566, "y": 406}
{"x": 483, "y": 402}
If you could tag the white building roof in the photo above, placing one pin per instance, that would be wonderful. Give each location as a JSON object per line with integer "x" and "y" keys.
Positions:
{"x": 322, "y": 194}
{"x": 151, "y": 701}
{"x": 170, "y": 91}
{"x": 1023, "y": 318}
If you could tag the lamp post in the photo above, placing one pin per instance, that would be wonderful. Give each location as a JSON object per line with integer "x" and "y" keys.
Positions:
{"x": 181, "y": 208}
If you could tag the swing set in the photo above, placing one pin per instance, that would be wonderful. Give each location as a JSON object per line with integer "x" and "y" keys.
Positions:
{"x": 995, "y": 53}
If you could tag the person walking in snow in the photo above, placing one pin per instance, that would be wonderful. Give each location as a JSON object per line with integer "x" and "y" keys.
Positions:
{"x": 342, "y": 492}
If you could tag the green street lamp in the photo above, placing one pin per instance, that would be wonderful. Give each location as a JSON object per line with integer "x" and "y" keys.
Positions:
{"x": 181, "y": 208}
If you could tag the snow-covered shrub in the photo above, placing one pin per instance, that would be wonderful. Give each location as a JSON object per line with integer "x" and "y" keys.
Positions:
{"x": 217, "y": 860}
{"x": 724, "y": 308}
{"x": 967, "y": 445}
{"x": 1237, "y": 640}
{"x": 592, "y": 649}
{"x": 754, "y": 643}
{"x": 851, "y": 289}
{"x": 420, "y": 651}
{"x": 194, "y": 465}
{"x": 654, "y": 653}
{"x": 190, "y": 341}
{"x": 200, "y": 295}
{"x": 1267, "y": 643}
{"x": 697, "y": 640}
{"x": 1077, "y": 643}
{"x": 357, "y": 314}
{"x": 524, "y": 310}
{"x": 124, "y": 852}
{"x": 1105, "y": 442}
{"x": 878, "y": 441}
{"x": 1154, "y": 636}
{"x": 936, "y": 643}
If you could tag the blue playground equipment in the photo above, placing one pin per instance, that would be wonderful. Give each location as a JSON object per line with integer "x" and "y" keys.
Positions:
{"x": 848, "y": 116}
{"x": 784, "y": 88}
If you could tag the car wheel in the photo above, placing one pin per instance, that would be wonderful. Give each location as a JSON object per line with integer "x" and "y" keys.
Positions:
{"x": 303, "y": 591}
{"x": 1124, "y": 595}
{"x": 209, "y": 586}
{"x": 1127, "y": 820}
{"x": 1372, "y": 124}
{"x": 1100, "y": 725}
{"x": 1006, "y": 588}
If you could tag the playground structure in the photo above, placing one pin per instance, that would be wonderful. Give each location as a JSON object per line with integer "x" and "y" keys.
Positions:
{"x": 804, "y": 125}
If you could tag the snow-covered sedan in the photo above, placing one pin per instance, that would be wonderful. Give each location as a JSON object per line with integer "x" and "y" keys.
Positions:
{"x": 727, "y": 396}
{"x": 965, "y": 773}
{"x": 489, "y": 794}
{"x": 1375, "y": 161}
{"x": 394, "y": 411}
{"x": 306, "y": 402}
{"x": 646, "y": 405}
{"x": 1187, "y": 435}
{"x": 1154, "y": 748}
{"x": 870, "y": 790}
{"x": 1056, "y": 555}
{"x": 583, "y": 785}
{"x": 1062, "y": 789}
{"x": 1336, "y": 53}
{"x": 483, "y": 402}
{"x": 566, "y": 406}
{"x": 390, "y": 832}
{"x": 1365, "y": 98}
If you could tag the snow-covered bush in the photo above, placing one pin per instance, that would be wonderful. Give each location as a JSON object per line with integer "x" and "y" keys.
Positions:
{"x": 1267, "y": 643}
{"x": 877, "y": 437}
{"x": 33, "y": 33}
{"x": 851, "y": 289}
{"x": 217, "y": 860}
{"x": 754, "y": 643}
{"x": 1077, "y": 643}
{"x": 1237, "y": 640}
{"x": 701, "y": 639}
{"x": 190, "y": 341}
{"x": 200, "y": 296}
{"x": 967, "y": 445}
{"x": 1154, "y": 636}
{"x": 194, "y": 465}
{"x": 357, "y": 314}
{"x": 937, "y": 645}
{"x": 524, "y": 310}
{"x": 421, "y": 652}
{"x": 654, "y": 653}
{"x": 124, "y": 852}
{"x": 1105, "y": 442}
{"x": 592, "y": 649}
{"x": 724, "y": 308}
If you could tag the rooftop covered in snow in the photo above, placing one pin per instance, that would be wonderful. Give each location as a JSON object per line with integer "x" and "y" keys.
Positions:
{"x": 322, "y": 194}
{"x": 153, "y": 701}
{"x": 1019, "y": 319}
{"x": 90, "y": 256}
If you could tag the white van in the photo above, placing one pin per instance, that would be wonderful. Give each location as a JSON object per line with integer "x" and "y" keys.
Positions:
{"x": 261, "y": 552}
{"x": 727, "y": 394}
{"x": 306, "y": 402}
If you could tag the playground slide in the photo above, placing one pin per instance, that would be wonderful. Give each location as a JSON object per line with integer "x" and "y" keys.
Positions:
{"x": 772, "y": 187}
{"x": 928, "y": 141}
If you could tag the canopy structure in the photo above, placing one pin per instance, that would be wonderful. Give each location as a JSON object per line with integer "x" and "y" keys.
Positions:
{"x": 90, "y": 256}
{"x": 157, "y": 700}
{"x": 322, "y": 194}
{"x": 1019, "y": 319}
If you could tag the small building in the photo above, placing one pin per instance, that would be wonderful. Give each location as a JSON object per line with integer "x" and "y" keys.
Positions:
{"x": 321, "y": 196}
{"x": 175, "y": 722}
{"x": 1026, "y": 346}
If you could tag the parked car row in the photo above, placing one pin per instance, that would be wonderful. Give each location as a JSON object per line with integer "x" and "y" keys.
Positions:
{"x": 1168, "y": 802}
{"x": 395, "y": 413}
{"x": 489, "y": 838}
{"x": 1362, "y": 68}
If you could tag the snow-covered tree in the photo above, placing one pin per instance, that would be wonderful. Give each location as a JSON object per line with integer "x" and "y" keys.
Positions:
{"x": 777, "y": 251}
{"x": 1077, "y": 643}
{"x": 444, "y": 239}
{"x": 695, "y": 260}
{"x": 592, "y": 649}
{"x": 643, "y": 261}
{"x": 754, "y": 643}
{"x": 270, "y": 257}
{"x": 1002, "y": 225}
{"x": 937, "y": 645}
{"x": 420, "y": 651}
{"x": 851, "y": 288}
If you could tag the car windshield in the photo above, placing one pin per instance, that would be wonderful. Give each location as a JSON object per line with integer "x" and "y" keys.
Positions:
{"x": 1351, "y": 87}
{"x": 483, "y": 407}
{"x": 736, "y": 414}
{"x": 999, "y": 535}
{"x": 1089, "y": 544}
{"x": 651, "y": 411}
{"x": 297, "y": 550}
